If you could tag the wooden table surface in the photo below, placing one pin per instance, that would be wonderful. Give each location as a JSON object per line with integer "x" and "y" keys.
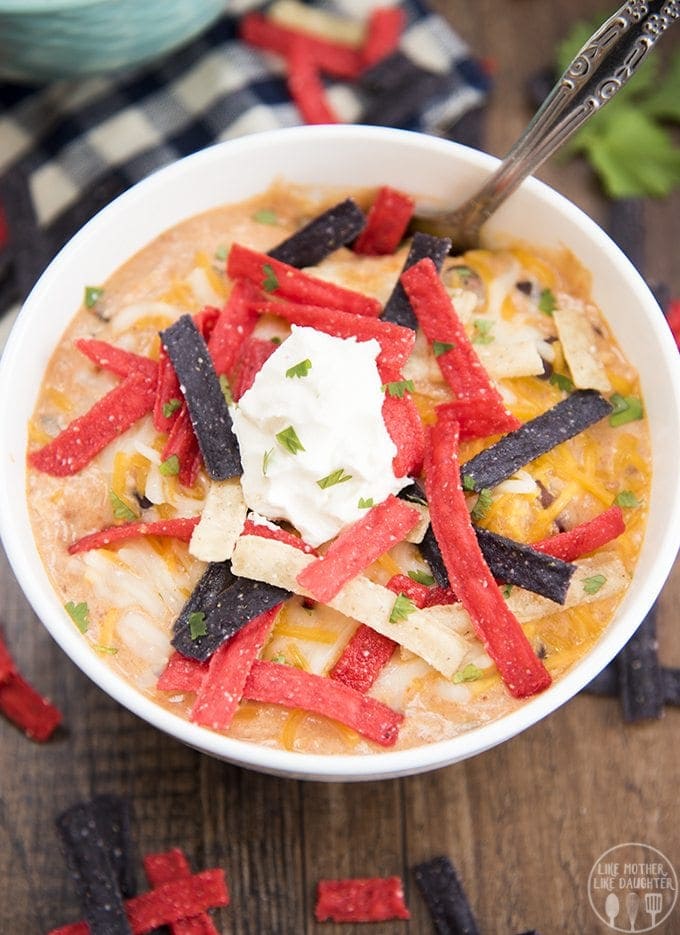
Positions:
{"x": 523, "y": 822}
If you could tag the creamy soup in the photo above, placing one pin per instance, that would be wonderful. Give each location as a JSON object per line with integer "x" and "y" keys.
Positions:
{"x": 531, "y": 322}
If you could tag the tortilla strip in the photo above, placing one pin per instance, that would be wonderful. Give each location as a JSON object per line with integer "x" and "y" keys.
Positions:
{"x": 441, "y": 635}
{"x": 418, "y": 532}
{"x": 577, "y": 337}
{"x": 429, "y": 633}
{"x": 517, "y": 359}
{"x": 221, "y": 523}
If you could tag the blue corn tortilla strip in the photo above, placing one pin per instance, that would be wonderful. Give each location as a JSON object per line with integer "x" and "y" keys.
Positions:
{"x": 445, "y": 897}
{"x": 671, "y": 685}
{"x": 395, "y": 89}
{"x": 235, "y": 606}
{"x": 205, "y": 400}
{"x": 641, "y": 682}
{"x": 516, "y": 563}
{"x": 516, "y": 449}
{"x": 322, "y": 236}
{"x": 398, "y": 308}
{"x": 414, "y": 493}
{"x": 429, "y": 549}
{"x": 203, "y": 599}
{"x": 89, "y": 839}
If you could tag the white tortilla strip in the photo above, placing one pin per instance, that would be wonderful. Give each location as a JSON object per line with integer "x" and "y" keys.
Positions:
{"x": 417, "y": 534}
{"x": 515, "y": 359}
{"x": 429, "y": 633}
{"x": 221, "y": 522}
{"x": 579, "y": 346}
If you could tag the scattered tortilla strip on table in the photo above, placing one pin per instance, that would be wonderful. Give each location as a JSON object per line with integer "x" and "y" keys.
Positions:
{"x": 579, "y": 344}
{"x": 221, "y": 522}
{"x": 362, "y": 899}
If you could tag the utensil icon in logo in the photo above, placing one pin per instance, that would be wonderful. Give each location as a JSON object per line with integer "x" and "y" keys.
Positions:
{"x": 653, "y": 905}
{"x": 611, "y": 907}
{"x": 632, "y": 907}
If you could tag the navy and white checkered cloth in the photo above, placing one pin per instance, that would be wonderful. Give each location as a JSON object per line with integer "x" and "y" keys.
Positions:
{"x": 68, "y": 148}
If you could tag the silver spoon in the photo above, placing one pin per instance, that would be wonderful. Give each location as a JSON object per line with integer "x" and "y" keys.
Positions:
{"x": 605, "y": 63}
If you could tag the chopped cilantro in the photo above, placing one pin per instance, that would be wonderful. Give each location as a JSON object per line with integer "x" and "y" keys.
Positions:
{"x": 469, "y": 673}
{"x": 630, "y": 142}
{"x": 398, "y": 388}
{"x": 482, "y": 334}
{"x": 289, "y": 440}
{"x": 107, "y": 650}
{"x": 546, "y": 302}
{"x": 441, "y": 347}
{"x": 92, "y": 295}
{"x": 221, "y": 253}
{"x": 562, "y": 382}
{"x": 299, "y": 370}
{"x": 79, "y": 614}
{"x": 120, "y": 508}
{"x": 170, "y": 467}
{"x": 280, "y": 658}
{"x": 226, "y": 389}
{"x": 264, "y": 216}
{"x": 593, "y": 584}
{"x": 266, "y": 461}
{"x": 171, "y": 406}
{"x": 626, "y": 409}
{"x": 465, "y": 272}
{"x": 365, "y": 503}
{"x": 335, "y": 477}
{"x": 507, "y": 590}
{"x": 270, "y": 283}
{"x": 275, "y": 340}
{"x": 481, "y": 507}
{"x": 468, "y": 482}
{"x": 626, "y": 498}
{"x": 197, "y": 625}
{"x": 403, "y": 606}
{"x": 422, "y": 577}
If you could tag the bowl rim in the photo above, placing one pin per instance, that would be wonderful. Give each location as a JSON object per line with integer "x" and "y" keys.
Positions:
{"x": 340, "y": 767}
{"x": 19, "y": 7}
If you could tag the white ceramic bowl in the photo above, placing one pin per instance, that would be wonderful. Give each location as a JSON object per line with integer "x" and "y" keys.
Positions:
{"x": 349, "y": 156}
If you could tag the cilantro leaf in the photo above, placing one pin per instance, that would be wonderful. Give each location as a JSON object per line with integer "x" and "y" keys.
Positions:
{"x": 562, "y": 382}
{"x": 441, "y": 347}
{"x": 546, "y": 302}
{"x": 482, "y": 333}
{"x": 626, "y": 409}
{"x": 221, "y": 252}
{"x": 289, "y": 440}
{"x": 299, "y": 370}
{"x": 79, "y": 614}
{"x": 264, "y": 216}
{"x": 481, "y": 507}
{"x": 120, "y": 508}
{"x": 270, "y": 283}
{"x": 197, "y": 625}
{"x": 593, "y": 584}
{"x": 92, "y": 295}
{"x": 403, "y": 606}
{"x": 468, "y": 482}
{"x": 469, "y": 673}
{"x": 335, "y": 477}
{"x": 422, "y": 577}
{"x": 172, "y": 405}
{"x": 266, "y": 460}
{"x": 226, "y": 390}
{"x": 626, "y": 498}
{"x": 170, "y": 467}
{"x": 398, "y": 388}
{"x": 365, "y": 504}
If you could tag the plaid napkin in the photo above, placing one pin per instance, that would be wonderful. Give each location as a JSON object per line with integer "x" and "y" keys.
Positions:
{"x": 68, "y": 148}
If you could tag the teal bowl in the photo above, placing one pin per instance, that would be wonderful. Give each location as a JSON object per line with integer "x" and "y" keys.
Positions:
{"x": 43, "y": 40}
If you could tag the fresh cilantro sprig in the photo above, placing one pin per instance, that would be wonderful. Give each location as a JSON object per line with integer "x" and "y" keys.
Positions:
{"x": 121, "y": 510}
{"x": 79, "y": 614}
{"x": 335, "y": 477}
{"x": 288, "y": 439}
{"x": 629, "y": 143}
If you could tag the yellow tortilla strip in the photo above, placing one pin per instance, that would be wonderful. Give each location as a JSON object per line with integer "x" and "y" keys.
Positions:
{"x": 579, "y": 345}
{"x": 221, "y": 522}
{"x": 429, "y": 633}
{"x": 295, "y": 15}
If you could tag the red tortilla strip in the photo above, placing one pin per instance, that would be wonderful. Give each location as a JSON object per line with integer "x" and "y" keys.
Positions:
{"x": 284, "y": 685}
{"x": 584, "y": 538}
{"x": 22, "y": 705}
{"x": 87, "y": 435}
{"x": 357, "y": 547}
{"x": 460, "y": 366}
{"x": 221, "y": 691}
{"x": 363, "y": 659}
{"x": 404, "y": 427}
{"x": 475, "y": 418}
{"x": 306, "y": 87}
{"x": 168, "y": 393}
{"x": 386, "y": 223}
{"x": 182, "y": 674}
{"x": 288, "y": 282}
{"x": 115, "y": 359}
{"x": 254, "y": 352}
{"x": 7, "y": 666}
{"x": 183, "y": 443}
{"x": 396, "y": 342}
{"x": 341, "y": 61}
{"x": 233, "y": 326}
{"x": 281, "y": 535}
{"x": 362, "y": 899}
{"x": 422, "y": 595}
{"x": 169, "y": 903}
{"x": 673, "y": 319}
{"x": 494, "y": 624}
{"x": 385, "y": 26}
{"x": 166, "y": 868}
{"x": 179, "y": 528}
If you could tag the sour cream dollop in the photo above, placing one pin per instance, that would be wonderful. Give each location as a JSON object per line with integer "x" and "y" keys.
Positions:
{"x": 312, "y": 437}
